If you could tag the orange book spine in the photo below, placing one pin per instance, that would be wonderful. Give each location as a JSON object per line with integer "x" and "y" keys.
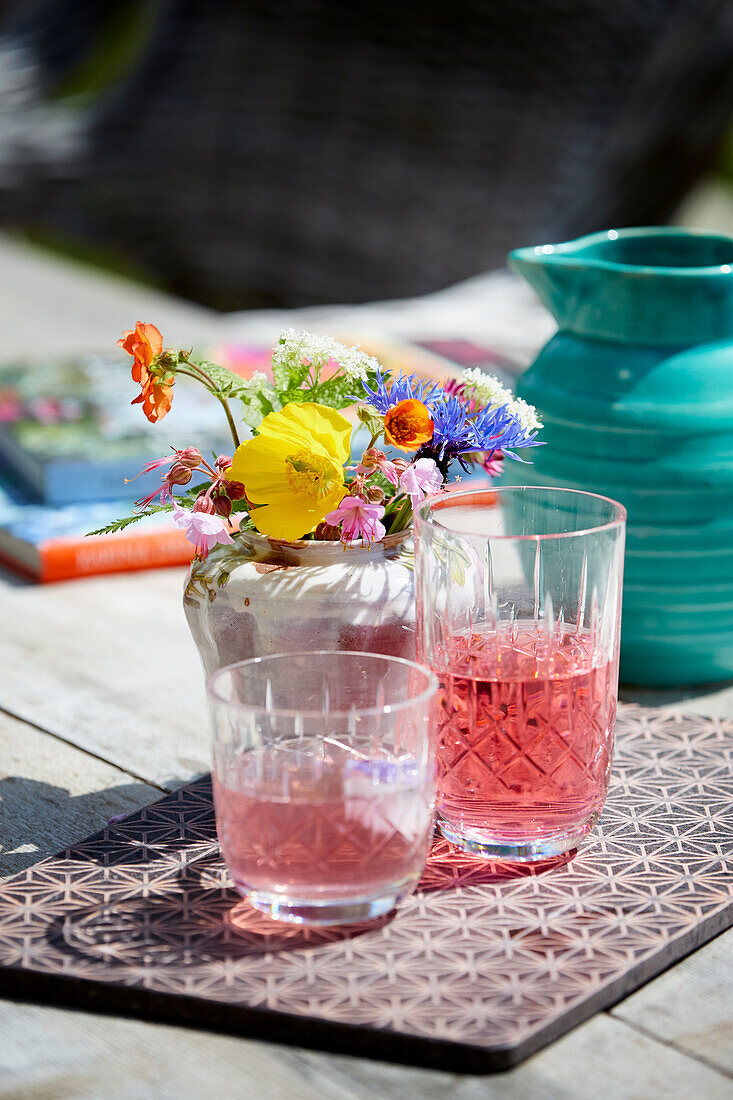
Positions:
{"x": 65, "y": 558}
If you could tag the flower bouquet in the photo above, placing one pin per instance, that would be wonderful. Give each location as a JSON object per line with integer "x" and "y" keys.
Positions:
{"x": 297, "y": 477}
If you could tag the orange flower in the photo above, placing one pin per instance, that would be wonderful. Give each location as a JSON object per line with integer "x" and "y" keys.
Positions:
{"x": 408, "y": 425}
{"x": 145, "y": 343}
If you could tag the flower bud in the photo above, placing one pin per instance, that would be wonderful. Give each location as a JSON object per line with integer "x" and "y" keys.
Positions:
{"x": 179, "y": 474}
{"x": 365, "y": 414}
{"x": 222, "y": 505}
{"x": 189, "y": 456}
{"x": 234, "y": 489}
{"x": 400, "y": 465}
{"x": 223, "y": 462}
{"x": 203, "y": 503}
{"x": 374, "y": 494}
{"x": 324, "y": 532}
{"x": 369, "y": 460}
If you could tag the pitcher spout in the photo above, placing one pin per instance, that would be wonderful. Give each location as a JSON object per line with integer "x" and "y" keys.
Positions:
{"x": 656, "y": 285}
{"x": 556, "y": 273}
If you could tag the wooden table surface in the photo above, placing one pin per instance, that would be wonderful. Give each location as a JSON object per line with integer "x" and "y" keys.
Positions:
{"x": 102, "y": 710}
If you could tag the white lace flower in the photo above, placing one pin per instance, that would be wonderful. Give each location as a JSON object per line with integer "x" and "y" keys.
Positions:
{"x": 486, "y": 388}
{"x": 525, "y": 414}
{"x": 255, "y": 383}
{"x": 294, "y": 347}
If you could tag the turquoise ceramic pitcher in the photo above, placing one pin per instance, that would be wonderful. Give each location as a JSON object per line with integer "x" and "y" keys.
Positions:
{"x": 636, "y": 393}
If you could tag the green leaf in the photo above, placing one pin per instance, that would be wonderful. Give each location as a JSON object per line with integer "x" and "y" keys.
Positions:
{"x": 226, "y": 382}
{"x": 266, "y": 403}
{"x": 117, "y": 525}
{"x": 255, "y": 408}
{"x": 336, "y": 392}
{"x": 289, "y": 377}
{"x": 295, "y": 393}
{"x": 250, "y": 415}
{"x": 185, "y": 500}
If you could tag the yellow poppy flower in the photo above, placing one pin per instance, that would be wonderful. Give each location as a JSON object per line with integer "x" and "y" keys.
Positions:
{"x": 293, "y": 470}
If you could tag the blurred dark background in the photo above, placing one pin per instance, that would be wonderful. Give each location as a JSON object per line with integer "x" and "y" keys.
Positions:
{"x": 250, "y": 154}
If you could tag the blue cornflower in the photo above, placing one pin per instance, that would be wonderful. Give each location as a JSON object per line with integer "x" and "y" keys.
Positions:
{"x": 401, "y": 389}
{"x": 454, "y": 433}
{"x": 460, "y": 431}
{"x": 503, "y": 429}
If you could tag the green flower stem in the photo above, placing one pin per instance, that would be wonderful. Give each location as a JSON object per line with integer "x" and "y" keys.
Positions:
{"x": 403, "y": 517}
{"x": 230, "y": 419}
{"x": 315, "y": 379}
{"x": 200, "y": 375}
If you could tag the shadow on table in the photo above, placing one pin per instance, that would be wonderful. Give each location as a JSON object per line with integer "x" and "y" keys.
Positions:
{"x": 37, "y": 817}
{"x": 176, "y": 916}
{"x": 153, "y": 888}
{"x": 715, "y": 699}
{"x": 448, "y": 868}
{"x": 17, "y": 580}
{"x": 186, "y": 925}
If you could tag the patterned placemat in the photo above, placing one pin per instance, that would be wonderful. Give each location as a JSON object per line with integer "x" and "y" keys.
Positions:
{"x": 485, "y": 964}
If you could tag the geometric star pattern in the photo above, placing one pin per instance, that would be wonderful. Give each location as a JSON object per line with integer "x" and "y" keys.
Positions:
{"x": 484, "y": 964}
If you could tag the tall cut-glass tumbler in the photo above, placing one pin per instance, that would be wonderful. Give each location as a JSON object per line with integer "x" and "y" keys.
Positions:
{"x": 324, "y": 781}
{"x": 518, "y": 615}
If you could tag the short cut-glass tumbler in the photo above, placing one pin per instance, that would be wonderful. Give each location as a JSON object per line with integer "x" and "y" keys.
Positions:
{"x": 518, "y": 614}
{"x": 324, "y": 781}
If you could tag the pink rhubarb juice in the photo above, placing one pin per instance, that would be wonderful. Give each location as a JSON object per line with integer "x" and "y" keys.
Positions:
{"x": 526, "y": 726}
{"x": 332, "y": 825}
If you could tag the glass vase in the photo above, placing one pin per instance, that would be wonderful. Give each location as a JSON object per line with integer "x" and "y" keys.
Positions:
{"x": 263, "y": 596}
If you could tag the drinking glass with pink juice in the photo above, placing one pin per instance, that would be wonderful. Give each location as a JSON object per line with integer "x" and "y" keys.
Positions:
{"x": 518, "y": 614}
{"x": 324, "y": 781}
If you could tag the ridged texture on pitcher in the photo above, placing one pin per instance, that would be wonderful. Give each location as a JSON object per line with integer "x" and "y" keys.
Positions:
{"x": 636, "y": 394}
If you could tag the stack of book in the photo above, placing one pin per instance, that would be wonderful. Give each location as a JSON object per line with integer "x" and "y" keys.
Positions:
{"x": 69, "y": 439}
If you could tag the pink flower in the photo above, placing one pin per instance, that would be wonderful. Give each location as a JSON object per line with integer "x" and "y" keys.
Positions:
{"x": 421, "y": 479}
{"x": 358, "y": 519}
{"x": 190, "y": 457}
{"x": 164, "y": 495}
{"x": 377, "y": 460}
{"x": 391, "y": 471}
{"x": 201, "y": 528}
{"x": 182, "y": 464}
{"x": 454, "y": 388}
{"x": 492, "y": 462}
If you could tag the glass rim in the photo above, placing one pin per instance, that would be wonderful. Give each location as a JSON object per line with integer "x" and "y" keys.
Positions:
{"x": 426, "y": 512}
{"x": 388, "y": 708}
